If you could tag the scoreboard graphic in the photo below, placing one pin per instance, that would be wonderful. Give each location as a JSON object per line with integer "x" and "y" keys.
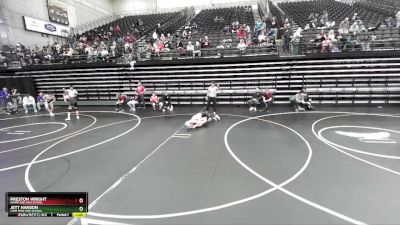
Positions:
{"x": 47, "y": 204}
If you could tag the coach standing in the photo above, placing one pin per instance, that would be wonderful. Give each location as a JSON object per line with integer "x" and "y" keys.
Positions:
{"x": 212, "y": 95}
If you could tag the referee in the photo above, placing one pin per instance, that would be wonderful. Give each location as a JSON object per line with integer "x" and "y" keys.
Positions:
{"x": 212, "y": 96}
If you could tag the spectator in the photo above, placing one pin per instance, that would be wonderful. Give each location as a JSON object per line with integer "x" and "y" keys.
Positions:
{"x": 389, "y": 22}
{"x": 155, "y": 35}
{"x": 39, "y": 101}
{"x": 184, "y": 34}
{"x": 140, "y": 89}
{"x": 165, "y": 102}
{"x": 258, "y": 26}
{"x": 11, "y": 107}
{"x": 296, "y": 41}
{"x": 190, "y": 49}
{"x": 104, "y": 54}
{"x": 120, "y": 102}
{"x": 15, "y": 96}
{"x": 286, "y": 40}
{"x": 326, "y": 45}
{"x": 301, "y": 102}
{"x": 117, "y": 30}
{"x": 241, "y": 47}
{"x": 332, "y": 36}
{"x": 4, "y": 97}
{"x": 313, "y": 20}
{"x": 27, "y": 101}
{"x": 255, "y": 100}
{"x": 154, "y": 100}
{"x": 206, "y": 43}
{"x": 148, "y": 49}
{"x": 235, "y": 25}
{"x": 133, "y": 102}
{"x": 241, "y": 33}
{"x": 197, "y": 49}
{"x": 355, "y": 18}
{"x": 162, "y": 37}
{"x": 267, "y": 99}
{"x": 179, "y": 47}
{"x": 190, "y": 36}
{"x": 344, "y": 26}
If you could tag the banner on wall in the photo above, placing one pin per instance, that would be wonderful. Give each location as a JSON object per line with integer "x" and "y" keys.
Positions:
{"x": 58, "y": 12}
{"x": 46, "y": 27}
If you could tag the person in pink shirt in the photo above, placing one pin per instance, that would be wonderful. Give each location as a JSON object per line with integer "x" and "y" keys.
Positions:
{"x": 140, "y": 89}
{"x": 154, "y": 100}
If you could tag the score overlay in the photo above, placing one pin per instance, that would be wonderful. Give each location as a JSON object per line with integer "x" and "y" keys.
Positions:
{"x": 46, "y": 204}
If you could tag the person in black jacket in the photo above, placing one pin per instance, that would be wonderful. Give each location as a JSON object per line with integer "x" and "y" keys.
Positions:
{"x": 255, "y": 100}
{"x": 165, "y": 102}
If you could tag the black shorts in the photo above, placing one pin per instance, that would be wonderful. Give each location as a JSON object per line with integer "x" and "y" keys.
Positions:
{"x": 73, "y": 103}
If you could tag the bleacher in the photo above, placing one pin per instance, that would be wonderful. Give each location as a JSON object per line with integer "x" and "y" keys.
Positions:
{"x": 333, "y": 81}
{"x": 338, "y": 11}
{"x": 150, "y": 22}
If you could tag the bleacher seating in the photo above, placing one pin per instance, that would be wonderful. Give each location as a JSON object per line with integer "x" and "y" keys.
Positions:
{"x": 364, "y": 80}
{"x": 301, "y": 10}
{"x": 150, "y": 22}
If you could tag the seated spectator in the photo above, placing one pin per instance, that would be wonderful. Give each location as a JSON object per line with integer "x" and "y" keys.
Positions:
{"x": 190, "y": 36}
{"x": 117, "y": 30}
{"x": 27, "y": 101}
{"x": 227, "y": 29}
{"x": 267, "y": 99}
{"x": 312, "y": 20}
{"x": 241, "y": 33}
{"x": 148, "y": 48}
{"x": 39, "y": 101}
{"x": 241, "y": 46}
{"x": 235, "y": 25}
{"x": 162, "y": 37}
{"x": 197, "y": 49}
{"x": 355, "y": 18}
{"x": 258, "y": 26}
{"x": 104, "y": 54}
{"x": 154, "y": 100}
{"x": 255, "y": 100}
{"x": 301, "y": 102}
{"x": 121, "y": 101}
{"x": 158, "y": 46}
{"x": 247, "y": 28}
{"x": 389, "y": 22}
{"x": 332, "y": 36}
{"x": 133, "y": 102}
{"x": 206, "y": 43}
{"x": 179, "y": 47}
{"x": 190, "y": 49}
{"x": 165, "y": 102}
{"x": 155, "y": 35}
{"x": 326, "y": 45}
{"x": 261, "y": 38}
{"x": 187, "y": 26}
{"x": 344, "y": 26}
{"x": 11, "y": 107}
{"x": 184, "y": 34}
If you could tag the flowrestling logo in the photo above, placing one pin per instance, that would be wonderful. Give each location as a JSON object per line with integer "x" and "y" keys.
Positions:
{"x": 50, "y": 27}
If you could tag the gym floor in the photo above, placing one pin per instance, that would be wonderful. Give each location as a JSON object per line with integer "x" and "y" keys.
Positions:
{"x": 337, "y": 165}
